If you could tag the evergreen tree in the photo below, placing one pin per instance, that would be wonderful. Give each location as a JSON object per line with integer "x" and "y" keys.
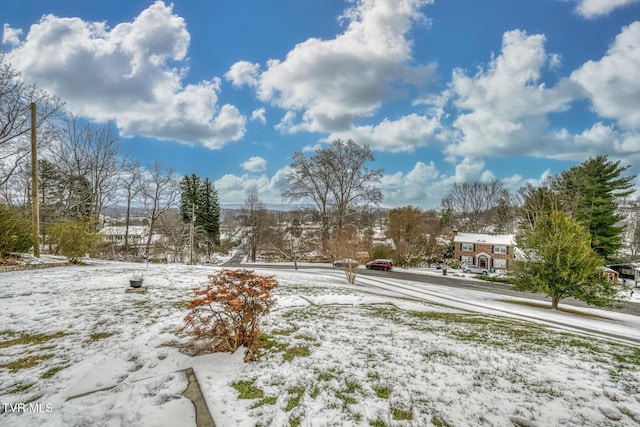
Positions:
{"x": 560, "y": 262}
{"x": 200, "y": 198}
{"x": 589, "y": 192}
{"x": 208, "y": 216}
{"x": 189, "y": 191}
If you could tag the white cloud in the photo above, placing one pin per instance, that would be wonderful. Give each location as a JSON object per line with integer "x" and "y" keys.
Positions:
{"x": 596, "y": 8}
{"x": 599, "y": 139}
{"x": 243, "y": 73}
{"x": 402, "y": 135}
{"x": 423, "y": 186}
{"x": 331, "y": 82}
{"x": 130, "y": 74}
{"x": 259, "y": 115}
{"x": 255, "y": 164}
{"x": 234, "y": 189}
{"x": 612, "y": 82}
{"x": 504, "y": 106}
{"x": 11, "y": 36}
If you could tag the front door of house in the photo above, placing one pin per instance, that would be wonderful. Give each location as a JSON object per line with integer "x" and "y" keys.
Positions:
{"x": 483, "y": 262}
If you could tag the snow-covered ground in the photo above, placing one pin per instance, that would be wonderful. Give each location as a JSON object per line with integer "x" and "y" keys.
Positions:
{"x": 77, "y": 350}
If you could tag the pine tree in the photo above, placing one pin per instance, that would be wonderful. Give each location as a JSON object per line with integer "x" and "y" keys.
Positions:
{"x": 189, "y": 191}
{"x": 589, "y": 192}
{"x": 209, "y": 212}
{"x": 200, "y": 198}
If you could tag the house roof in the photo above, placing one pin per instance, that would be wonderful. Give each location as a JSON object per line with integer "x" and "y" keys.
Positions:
{"x": 134, "y": 230}
{"x": 491, "y": 239}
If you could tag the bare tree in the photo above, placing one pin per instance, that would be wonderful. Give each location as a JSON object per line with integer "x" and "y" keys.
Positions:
{"x": 15, "y": 118}
{"x": 349, "y": 244}
{"x": 472, "y": 206}
{"x": 253, "y": 225}
{"x": 336, "y": 179}
{"x": 414, "y": 233}
{"x": 171, "y": 226}
{"x": 290, "y": 239}
{"x": 309, "y": 180}
{"x": 160, "y": 191}
{"x": 88, "y": 159}
{"x": 130, "y": 183}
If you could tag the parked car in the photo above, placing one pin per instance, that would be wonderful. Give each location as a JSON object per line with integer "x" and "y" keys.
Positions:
{"x": 380, "y": 264}
{"x": 474, "y": 269}
{"x": 347, "y": 262}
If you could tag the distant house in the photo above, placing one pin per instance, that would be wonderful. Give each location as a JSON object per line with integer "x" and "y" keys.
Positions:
{"x": 490, "y": 251}
{"x": 380, "y": 239}
{"x": 627, "y": 272}
{"x": 138, "y": 234}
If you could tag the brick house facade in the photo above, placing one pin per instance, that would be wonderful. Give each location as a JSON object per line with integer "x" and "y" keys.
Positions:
{"x": 490, "y": 251}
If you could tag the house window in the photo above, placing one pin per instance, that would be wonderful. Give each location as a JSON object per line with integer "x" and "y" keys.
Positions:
{"x": 467, "y": 247}
{"x": 499, "y": 263}
{"x": 466, "y": 259}
{"x": 500, "y": 250}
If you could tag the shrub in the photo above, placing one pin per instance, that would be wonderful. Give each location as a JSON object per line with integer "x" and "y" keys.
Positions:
{"x": 454, "y": 263}
{"x": 73, "y": 237}
{"x": 227, "y": 311}
{"x": 15, "y": 232}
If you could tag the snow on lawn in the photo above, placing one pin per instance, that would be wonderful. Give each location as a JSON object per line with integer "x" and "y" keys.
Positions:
{"x": 77, "y": 350}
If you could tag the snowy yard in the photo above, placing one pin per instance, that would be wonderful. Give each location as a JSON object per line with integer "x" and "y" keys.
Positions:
{"x": 77, "y": 350}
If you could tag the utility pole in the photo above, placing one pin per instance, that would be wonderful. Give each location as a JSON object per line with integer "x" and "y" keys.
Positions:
{"x": 192, "y": 232}
{"x": 34, "y": 184}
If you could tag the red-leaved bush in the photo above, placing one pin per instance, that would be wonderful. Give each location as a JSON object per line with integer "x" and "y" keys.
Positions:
{"x": 226, "y": 312}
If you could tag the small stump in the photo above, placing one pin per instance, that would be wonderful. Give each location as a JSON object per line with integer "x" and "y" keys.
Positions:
{"x": 136, "y": 283}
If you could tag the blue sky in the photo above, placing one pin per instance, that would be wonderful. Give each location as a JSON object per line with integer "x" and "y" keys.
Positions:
{"x": 443, "y": 91}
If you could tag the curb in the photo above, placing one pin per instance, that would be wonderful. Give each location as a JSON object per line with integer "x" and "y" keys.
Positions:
{"x": 194, "y": 393}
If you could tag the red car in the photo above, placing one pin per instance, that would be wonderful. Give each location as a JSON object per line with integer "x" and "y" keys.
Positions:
{"x": 380, "y": 264}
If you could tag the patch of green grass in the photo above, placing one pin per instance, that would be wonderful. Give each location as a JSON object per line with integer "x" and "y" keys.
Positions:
{"x": 19, "y": 388}
{"x": 267, "y": 343}
{"x": 296, "y": 395}
{"x": 401, "y": 414}
{"x": 96, "y": 336}
{"x": 246, "y": 390}
{"x": 27, "y": 339}
{"x": 377, "y": 423}
{"x": 286, "y": 332}
{"x": 438, "y": 354}
{"x": 25, "y": 363}
{"x": 181, "y": 305}
{"x": 294, "y": 422}
{"x": 305, "y": 337}
{"x": 345, "y": 394}
{"x": 547, "y": 305}
{"x": 382, "y": 392}
{"x": 51, "y": 372}
{"x": 373, "y": 375}
{"x": 325, "y": 376}
{"x": 293, "y": 352}
{"x": 269, "y": 400}
{"x": 315, "y": 391}
{"x": 353, "y": 386}
{"x": 33, "y": 399}
{"x": 439, "y": 422}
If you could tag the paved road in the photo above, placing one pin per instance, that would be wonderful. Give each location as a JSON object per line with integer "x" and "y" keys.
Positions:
{"x": 456, "y": 282}
{"x": 498, "y": 288}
